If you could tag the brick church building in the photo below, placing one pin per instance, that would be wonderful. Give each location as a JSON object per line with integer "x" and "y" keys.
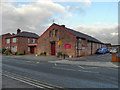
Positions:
{"x": 73, "y": 43}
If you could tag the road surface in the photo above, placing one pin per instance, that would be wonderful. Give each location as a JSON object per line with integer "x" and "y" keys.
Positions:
{"x": 53, "y": 75}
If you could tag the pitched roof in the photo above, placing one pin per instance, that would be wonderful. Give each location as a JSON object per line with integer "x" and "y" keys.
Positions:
{"x": 25, "y": 34}
{"x": 5, "y": 34}
{"x": 79, "y": 34}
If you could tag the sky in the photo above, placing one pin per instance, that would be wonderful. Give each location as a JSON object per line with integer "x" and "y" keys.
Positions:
{"x": 97, "y": 19}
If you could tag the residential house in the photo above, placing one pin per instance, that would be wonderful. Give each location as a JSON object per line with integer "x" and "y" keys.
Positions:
{"x": 3, "y": 39}
{"x": 24, "y": 42}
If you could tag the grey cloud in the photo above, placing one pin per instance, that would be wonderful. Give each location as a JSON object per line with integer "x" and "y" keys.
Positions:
{"x": 32, "y": 17}
{"x": 102, "y": 33}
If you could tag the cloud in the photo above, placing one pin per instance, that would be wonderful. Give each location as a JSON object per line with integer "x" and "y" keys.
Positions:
{"x": 105, "y": 33}
{"x": 85, "y": 1}
{"x": 78, "y": 8}
{"x": 30, "y": 17}
{"x": 75, "y": 9}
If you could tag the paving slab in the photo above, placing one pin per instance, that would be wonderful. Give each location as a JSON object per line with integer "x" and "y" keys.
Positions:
{"x": 100, "y": 64}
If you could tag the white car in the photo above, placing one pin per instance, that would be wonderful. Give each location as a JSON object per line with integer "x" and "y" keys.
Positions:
{"x": 113, "y": 51}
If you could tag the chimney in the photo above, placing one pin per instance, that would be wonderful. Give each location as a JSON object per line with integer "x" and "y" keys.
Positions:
{"x": 18, "y": 31}
{"x": 13, "y": 34}
{"x": 63, "y": 26}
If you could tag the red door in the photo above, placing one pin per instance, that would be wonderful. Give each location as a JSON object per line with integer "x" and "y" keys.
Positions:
{"x": 32, "y": 50}
{"x": 52, "y": 48}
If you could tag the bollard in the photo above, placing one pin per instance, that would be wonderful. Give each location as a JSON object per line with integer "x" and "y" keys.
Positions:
{"x": 64, "y": 56}
{"x": 55, "y": 64}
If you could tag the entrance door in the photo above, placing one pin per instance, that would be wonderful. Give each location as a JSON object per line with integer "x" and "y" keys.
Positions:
{"x": 32, "y": 50}
{"x": 83, "y": 51}
{"x": 52, "y": 48}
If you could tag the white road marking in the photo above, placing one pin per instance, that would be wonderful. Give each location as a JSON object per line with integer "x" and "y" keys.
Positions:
{"x": 37, "y": 62}
{"x": 64, "y": 69}
{"x": 28, "y": 61}
{"x": 23, "y": 81}
{"x": 74, "y": 70}
{"x": 87, "y": 67}
{"x": 61, "y": 65}
{"x": 88, "y": 71}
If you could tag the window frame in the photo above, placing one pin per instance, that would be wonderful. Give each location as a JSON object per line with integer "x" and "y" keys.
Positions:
{"x": 7, "y": 41}
{"x": 28, "y": 49}
{"x": 56, "y": 33}
{"x": 28, "y": 40}
{"x": 50, "y": 33}
{"x": 13, "y": 48}
{"x": 33, "y": 41}
{"x": 14, "y": 40}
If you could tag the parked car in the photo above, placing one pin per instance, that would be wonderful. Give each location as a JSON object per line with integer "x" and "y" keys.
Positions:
{"x": 102, "y": 50}
{"x": 113, "y": 51}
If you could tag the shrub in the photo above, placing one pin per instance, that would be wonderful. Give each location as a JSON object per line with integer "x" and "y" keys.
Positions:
{"x": 43, "y": 54}
{"x": 65, "y": 55}
{"x": 59, "y": 54}
{"x": 19, "y": 53}
{"x": 16, "y": 53}
{"x": 7, "y": 52}
{"x": 2, "y": 50}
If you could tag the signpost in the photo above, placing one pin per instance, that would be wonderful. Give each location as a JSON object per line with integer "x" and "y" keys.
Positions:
{"x": 60, "y": 43}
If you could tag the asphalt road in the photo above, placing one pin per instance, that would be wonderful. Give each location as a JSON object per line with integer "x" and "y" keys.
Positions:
{"x": 60, "y": 75}
{"x": 15, "y": 83}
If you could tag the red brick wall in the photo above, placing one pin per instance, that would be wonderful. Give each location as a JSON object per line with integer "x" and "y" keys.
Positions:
{"x": 84, "y": 47}
{"x": 88, "y": 49}
{"x": 21, "y": 44}
{"x": 44, "y": 44}
{"x": 0, "y": 42}
{"x": 3, "y": 40}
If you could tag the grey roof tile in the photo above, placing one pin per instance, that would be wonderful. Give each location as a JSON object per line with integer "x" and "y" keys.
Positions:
{"x": 79, "y": 34}
{"x": 25, "y": 34}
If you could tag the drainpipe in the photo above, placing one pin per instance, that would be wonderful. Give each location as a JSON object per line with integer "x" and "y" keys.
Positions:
{"x": 91, "y": 48}
{"x": 76, "y": 47}
{"x": 10, "y": 45}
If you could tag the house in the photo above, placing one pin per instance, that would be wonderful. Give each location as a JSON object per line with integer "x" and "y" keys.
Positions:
{"x": 117, "y": 46}
{"x": 3, "y": 39}
{"x": 58, "y": 38}
{"x": 24, "y": 42}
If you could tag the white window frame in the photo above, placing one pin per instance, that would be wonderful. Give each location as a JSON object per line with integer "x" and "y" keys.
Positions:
{"x": 13, "y": 49}
{"x": 14, "y": 40}
{"x": 33, "y": 40}
{"x": 28, "y": 49}
{"x": 8, "y": 41}
{"x": 28, "y": 40}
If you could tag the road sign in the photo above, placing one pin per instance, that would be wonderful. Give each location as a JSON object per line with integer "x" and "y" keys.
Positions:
{"x": 59, "y": 42}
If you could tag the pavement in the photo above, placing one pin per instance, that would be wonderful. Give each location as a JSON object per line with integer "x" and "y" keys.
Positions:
{"x": 100, "y": 64}
{"x": 33, "y": 57}
{"x": 101, "y": 60}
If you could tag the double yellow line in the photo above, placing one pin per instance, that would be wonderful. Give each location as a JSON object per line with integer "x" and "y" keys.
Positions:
{"x": 32, "y": 81}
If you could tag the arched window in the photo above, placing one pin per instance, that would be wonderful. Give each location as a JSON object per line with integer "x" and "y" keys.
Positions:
{"x": 56, "y": 33}
{"x": 50, "y": 33}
